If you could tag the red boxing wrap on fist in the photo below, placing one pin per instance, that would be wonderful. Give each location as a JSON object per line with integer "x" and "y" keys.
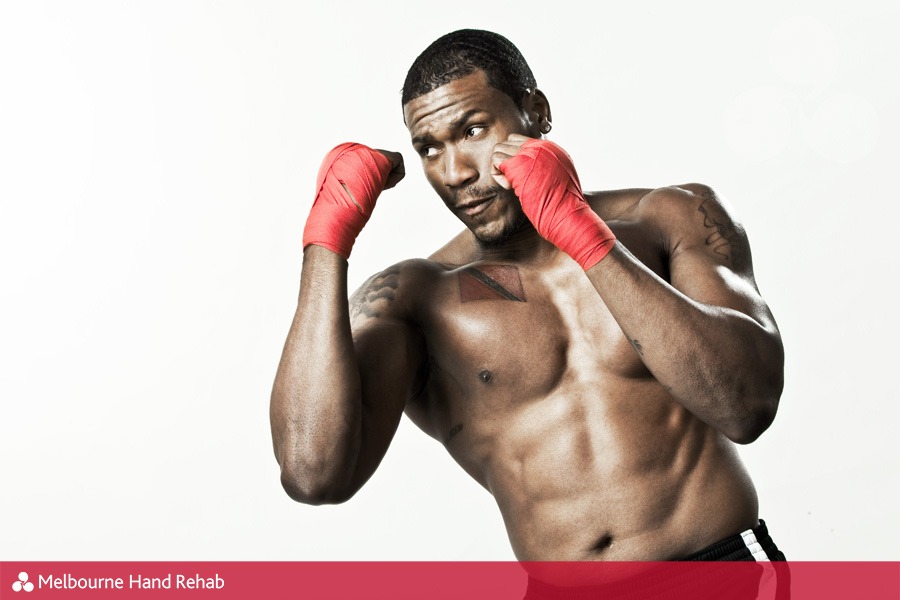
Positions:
{"x": 335, "y": 219}
{"x": 544, "y": 179}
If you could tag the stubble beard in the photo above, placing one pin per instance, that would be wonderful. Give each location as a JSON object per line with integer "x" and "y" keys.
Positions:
{"x": 500, "y": 239}
{"x": 510, "y": 228}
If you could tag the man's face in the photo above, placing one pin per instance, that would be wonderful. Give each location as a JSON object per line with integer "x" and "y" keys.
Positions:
{"x": 454, "y": 129}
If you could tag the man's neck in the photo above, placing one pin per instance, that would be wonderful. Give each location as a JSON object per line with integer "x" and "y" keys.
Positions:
{"x": 523, "y": 246}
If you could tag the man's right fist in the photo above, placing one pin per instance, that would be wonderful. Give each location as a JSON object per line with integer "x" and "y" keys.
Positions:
{"x": 350, "y": 179}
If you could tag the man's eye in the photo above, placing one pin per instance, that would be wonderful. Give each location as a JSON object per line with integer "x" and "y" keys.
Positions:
{"x": 474, "y": 130}
{"x": 428, "y": 151}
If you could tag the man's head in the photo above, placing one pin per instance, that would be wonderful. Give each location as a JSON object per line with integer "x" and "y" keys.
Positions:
{"x": 467, "y": 92}
{"x": 462, "y": 52}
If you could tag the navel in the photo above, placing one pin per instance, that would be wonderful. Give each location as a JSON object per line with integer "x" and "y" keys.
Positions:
{"x": 486, "y": 376}
{"x": 602, "y": 544}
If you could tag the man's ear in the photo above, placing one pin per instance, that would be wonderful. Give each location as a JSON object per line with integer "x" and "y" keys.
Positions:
{"x": 537, "y": 112}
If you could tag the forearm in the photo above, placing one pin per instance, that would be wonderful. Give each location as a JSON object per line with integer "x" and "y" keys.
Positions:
{"x": 315, "y": 407}
{"x": 720, "y": 364}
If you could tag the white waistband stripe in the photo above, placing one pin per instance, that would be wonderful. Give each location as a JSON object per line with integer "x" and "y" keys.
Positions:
{"x": 753, "y": 546}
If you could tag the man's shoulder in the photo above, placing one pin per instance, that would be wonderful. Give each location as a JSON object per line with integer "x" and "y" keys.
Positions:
{"x": 408, "y": 274}
{"x": 693, "y": 211}
{"x": 395, "y": 292}
{"x": 667, "y": 201}
{"x": 673, "y": 209}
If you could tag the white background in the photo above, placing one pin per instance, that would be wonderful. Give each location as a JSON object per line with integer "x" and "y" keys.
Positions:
{"x": 157, "y": 162}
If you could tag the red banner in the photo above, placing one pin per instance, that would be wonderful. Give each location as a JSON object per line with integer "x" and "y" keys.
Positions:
{"x": 446, "y": 580}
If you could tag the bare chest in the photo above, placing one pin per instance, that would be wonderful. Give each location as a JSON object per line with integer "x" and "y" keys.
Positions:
{"x": 504, "y": 337}
{"x": 506, "y": 331}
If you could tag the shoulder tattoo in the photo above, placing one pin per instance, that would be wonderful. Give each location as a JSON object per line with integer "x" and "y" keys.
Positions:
{"x": 724, "y": 237}
{"x": 375, "y": 295}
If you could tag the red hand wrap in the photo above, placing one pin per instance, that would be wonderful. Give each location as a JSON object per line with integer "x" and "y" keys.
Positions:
{"x": 544, "y": 179}
{"x": 335, "y": 220}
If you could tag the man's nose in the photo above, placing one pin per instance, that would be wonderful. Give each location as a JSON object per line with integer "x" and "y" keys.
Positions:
{"x": 458, "y": 169}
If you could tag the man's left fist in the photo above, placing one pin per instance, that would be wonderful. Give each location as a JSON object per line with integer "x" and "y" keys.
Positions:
{"x": 544, "y": 178}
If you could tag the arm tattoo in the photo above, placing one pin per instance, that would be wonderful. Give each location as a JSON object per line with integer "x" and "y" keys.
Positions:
{"x": 637, "y": 346}
{"x": 724, "y": 236}
{"x": 375, "y": 295}
{"x": 453, "y": 431}
{"x": 490, "y": 282}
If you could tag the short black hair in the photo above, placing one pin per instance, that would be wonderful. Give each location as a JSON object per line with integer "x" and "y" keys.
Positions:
{"x": 461, "y": 52}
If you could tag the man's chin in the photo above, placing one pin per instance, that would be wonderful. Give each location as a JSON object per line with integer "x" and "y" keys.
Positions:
{"x": 489, "y": 240}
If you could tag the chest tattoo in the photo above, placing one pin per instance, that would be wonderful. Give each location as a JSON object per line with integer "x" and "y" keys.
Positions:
{"x": 490, "y": 282}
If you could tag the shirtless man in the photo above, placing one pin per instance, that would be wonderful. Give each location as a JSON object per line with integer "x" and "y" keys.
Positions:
{"x": 590, "y": 359}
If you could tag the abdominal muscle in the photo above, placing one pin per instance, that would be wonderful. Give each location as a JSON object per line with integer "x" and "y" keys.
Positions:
{"x": 629, "y": 475}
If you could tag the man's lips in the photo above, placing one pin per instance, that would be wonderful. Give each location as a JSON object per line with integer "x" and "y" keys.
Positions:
{"x": 475, "y": 207}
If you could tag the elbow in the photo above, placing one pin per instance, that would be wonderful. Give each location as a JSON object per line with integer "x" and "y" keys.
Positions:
{"x": 748, "y": 430}
{"x": 751, "y": 424}
{"x": 756, "y": 407}
{"x": 308, "y": 490}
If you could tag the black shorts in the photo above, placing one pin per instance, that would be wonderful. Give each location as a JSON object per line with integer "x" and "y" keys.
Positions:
{"x": 753, "y": 544}
{"x": 768, "y": 578}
